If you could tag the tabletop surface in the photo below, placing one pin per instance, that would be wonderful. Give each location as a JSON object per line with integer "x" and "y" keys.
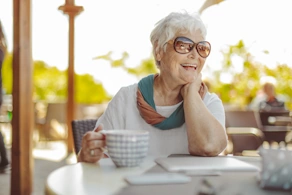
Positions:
{"x": 87, "y": 178}
{"x": 104, "y": 178}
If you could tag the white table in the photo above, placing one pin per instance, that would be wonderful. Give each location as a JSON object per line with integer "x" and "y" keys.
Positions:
{"x": 105, "y": 179}
{"x": 86, "y": 178}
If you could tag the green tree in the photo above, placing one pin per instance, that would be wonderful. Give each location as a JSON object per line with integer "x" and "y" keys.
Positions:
{"x": 88, "y": 91}
{"x": 246, "y": 83}
{"x": 146, "y": 67}
{"x": 50, "y": 84}
{"x": 243, "y": 86}
{"x": 7, "y": 74}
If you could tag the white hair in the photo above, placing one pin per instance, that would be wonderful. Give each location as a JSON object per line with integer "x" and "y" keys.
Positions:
{"x": 176, "y": 22}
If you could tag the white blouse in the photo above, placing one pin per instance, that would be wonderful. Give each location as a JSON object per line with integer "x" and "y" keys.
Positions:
{"x": 122, "y": 113}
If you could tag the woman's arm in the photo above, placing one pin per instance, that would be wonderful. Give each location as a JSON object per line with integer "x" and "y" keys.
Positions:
{"x": 206, "y": 135}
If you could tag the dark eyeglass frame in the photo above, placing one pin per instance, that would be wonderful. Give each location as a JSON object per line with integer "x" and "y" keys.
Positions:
{"x": 194, "y": 45}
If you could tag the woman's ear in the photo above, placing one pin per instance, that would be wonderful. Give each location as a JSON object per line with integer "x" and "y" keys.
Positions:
{"x": 158, "y": 54}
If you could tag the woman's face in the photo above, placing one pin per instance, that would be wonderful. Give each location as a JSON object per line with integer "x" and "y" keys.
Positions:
{"x": 181, "y": 68}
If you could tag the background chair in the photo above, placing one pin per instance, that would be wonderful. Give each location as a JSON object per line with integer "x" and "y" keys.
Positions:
{"x": 244, "y": 131}
{"x": 245, "y": 140}
{"x": 242, "y": 118}
{"x": 270, "y": 118}
{"x": 275, "y": 125}
{"x": 79, "y": 128}
{"x": 53, "y": 127}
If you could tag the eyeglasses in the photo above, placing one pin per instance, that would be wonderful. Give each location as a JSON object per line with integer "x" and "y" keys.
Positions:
{"x": 185, "y": 45}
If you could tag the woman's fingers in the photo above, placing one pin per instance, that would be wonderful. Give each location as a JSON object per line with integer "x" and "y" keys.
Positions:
{"x": 93, "y": 136}
{"x": 92, "y": 140}
{"x": 92, "y": 146}
{"x": 93, "y": 155}
{"x": 96, "y": 153}
{"x": 99, "y": 128}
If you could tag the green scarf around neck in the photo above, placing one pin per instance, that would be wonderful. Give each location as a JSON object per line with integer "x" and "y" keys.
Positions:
{"x": 176, "y": 119}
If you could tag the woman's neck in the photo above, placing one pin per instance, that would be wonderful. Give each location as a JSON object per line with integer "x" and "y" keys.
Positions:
{"x": 164, "y": 93}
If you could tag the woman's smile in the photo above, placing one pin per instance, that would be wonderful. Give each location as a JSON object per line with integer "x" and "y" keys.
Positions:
{"x": 189, "y": 66}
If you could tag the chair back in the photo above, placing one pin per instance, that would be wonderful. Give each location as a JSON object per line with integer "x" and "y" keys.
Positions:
{"x": 79, "y": 128}
{"x": 242, "y": 118}
{"x": 245, "y": 139}
{"x": 54, "y": 126}
{"x": 269, "y": 118}
{"x": 56, "y": 111}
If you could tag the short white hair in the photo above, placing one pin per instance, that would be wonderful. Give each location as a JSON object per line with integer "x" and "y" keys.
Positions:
{"x": 176, "y": 22}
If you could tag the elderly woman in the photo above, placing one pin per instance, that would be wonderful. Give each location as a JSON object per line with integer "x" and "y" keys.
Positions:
{"x": 176, "y": 108}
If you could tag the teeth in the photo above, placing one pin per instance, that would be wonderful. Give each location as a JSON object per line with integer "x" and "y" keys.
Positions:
{"x": 193, "y": 65}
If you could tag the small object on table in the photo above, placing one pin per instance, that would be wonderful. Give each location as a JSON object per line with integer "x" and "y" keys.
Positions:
{"x": 206, "y": 188}
{"x": 276, "y": 168}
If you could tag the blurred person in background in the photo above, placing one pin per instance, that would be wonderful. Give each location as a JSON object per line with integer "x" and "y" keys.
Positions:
{"x": 267, "y": 99}
{"x": 271, "y": 102}
{"x": 174, "y": 106}
{"x": 3, "y": 48}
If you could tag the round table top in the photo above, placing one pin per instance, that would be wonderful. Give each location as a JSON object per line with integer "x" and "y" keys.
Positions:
{"x": 88, "y": 178}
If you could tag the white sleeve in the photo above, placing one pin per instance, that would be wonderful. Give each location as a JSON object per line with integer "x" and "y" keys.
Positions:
{"x": 215, "y": 106}
{"x": 113, "y": 117}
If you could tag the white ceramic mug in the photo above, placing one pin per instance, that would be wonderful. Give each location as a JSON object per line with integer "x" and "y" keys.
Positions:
{"x": 127, "y": 148}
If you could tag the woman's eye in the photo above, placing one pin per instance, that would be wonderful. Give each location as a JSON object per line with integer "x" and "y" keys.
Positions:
{"x": 186, "y": 46}
{"x": 202, "y": 48}
{"x": 182, "y": 46}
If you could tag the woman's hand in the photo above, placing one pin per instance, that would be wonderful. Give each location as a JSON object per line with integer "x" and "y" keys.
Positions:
{"x": 192, "y": 87}
{"x": 92, "y": 145}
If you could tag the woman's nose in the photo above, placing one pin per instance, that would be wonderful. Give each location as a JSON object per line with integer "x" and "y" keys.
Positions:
{"x": 193, "y": 54}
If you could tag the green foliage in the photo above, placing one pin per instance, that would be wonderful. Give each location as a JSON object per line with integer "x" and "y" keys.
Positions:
{"x": 7, "y": 74}
{"x": 114, "y": 62}
{"x": 50, "y": 84}
{"x": 245, "y": 84}
{"x": 146, "y": 67}
{"x": 88, "y": 91}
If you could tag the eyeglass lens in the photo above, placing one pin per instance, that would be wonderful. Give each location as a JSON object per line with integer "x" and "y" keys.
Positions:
{"x": 184, "y": 45}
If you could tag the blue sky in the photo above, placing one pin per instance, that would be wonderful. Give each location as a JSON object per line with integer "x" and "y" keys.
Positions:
{"x": 119, "y": 26}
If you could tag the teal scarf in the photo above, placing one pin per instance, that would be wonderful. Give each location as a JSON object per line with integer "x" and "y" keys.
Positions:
{"x": 176, "y": 119}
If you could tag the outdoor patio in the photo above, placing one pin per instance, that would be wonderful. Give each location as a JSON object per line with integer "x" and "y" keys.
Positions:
{"x": 47, "y": 158}
{"x": 29, "y": 172}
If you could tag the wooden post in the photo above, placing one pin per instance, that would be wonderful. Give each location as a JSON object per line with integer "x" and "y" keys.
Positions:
{"x": 71, "y": 10}
{"x": 22, "y": 121}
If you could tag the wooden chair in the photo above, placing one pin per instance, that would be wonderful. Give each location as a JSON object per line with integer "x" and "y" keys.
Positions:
{"x": 275, "y": 125}
{"x": 242, "y": 118}
{"x": 79, "y": 128}
{"x": 245, "y": 139}
{"x": 275, "y": 118}
{"x": 53, "y": 127}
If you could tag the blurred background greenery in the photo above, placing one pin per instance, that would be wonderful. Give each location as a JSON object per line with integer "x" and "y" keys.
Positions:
{"x": 50, "y": 84}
